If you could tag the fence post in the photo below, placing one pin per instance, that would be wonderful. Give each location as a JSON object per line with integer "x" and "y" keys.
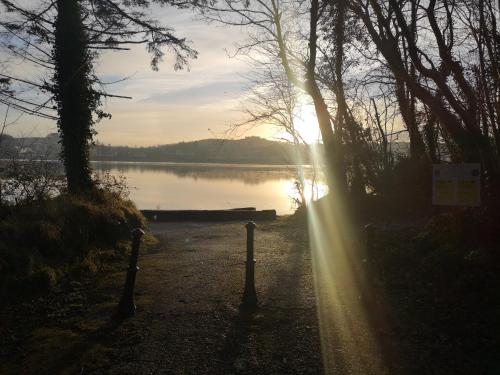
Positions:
{"x": 249, "y": 301}
{"x": 126, "y": 306}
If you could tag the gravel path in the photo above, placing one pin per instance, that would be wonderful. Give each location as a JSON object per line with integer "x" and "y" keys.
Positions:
{"x": 188, "y": 320}
{"x": 188, "y": 294}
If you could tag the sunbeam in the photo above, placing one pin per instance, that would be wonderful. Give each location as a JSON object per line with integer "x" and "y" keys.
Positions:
{"x": 349, "y": 314}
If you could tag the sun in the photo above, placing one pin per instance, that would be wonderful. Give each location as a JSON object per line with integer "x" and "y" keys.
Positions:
{"x": 306, "y": 124}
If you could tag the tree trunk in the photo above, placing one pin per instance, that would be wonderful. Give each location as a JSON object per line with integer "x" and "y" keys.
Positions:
{"x": 332, "y": 142}
{"x": 406, "y": 102}
{"x": 74, "y": 95}
{"x": 431, "y": 138}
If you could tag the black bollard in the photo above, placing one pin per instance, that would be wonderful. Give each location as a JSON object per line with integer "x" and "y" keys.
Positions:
{"x": 249, "y": 301}
{"x": 126, "y": 307}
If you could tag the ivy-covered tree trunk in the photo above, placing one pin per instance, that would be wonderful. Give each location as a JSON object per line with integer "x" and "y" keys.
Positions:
{"x": 75, "y": 98}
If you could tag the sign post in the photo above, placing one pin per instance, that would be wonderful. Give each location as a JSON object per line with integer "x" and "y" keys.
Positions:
{"x": 456, "y": 184}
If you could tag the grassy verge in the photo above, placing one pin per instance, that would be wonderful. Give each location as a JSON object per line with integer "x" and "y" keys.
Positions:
{"x": 68, "y": 331}
{"x": 52, "y": 256}
{"x": 441, "y": 283}
{"x": 41, "y": 243}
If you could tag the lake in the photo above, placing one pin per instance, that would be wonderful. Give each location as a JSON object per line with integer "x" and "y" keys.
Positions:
{"x": 174, "y": 186}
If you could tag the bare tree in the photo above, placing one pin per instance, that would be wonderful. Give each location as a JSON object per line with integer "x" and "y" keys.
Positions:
{"x": 287, "y": 31}
{"x": 424, "y": 43}
{"x": 273, "y": 101}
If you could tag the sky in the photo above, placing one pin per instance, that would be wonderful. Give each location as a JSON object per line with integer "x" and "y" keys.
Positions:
{"x": 169, "y": 106}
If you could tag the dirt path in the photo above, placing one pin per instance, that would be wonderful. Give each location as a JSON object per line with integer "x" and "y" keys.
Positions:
{"x": 188, "y": 319}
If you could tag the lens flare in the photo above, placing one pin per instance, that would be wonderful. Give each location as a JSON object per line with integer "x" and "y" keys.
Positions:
{"x": 351, "y": 318}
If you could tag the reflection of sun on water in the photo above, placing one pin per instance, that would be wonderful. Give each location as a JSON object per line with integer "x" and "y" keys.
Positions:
{"x": 312, "y": 189}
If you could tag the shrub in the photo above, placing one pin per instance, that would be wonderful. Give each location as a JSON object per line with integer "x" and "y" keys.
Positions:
{"x": 33, "y": 180}
{"x": 44, "y": 278}
{"x": 60, "y": 234}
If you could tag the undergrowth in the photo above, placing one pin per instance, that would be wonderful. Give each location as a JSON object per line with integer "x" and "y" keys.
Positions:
{"x": 41, "y": 242}
{"x": 441, "y": 283}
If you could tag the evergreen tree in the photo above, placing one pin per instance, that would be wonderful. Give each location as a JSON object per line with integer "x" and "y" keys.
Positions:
{"x": 63, "y": 38}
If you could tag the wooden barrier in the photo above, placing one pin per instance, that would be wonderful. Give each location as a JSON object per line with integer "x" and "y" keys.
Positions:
{"x": 208, "y": 215}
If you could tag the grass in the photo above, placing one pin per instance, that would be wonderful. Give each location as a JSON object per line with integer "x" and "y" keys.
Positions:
{"x": 65, "y": 329}
{"x": 442, "y": 284}
{"x": 52, "y": 252}
{"x": 42, "y": 242}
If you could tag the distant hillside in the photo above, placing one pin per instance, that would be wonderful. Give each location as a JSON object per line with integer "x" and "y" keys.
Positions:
{"x": 253, "y": 150}
{"x": 250, "y": 150}
{"x": 30, "y": 147}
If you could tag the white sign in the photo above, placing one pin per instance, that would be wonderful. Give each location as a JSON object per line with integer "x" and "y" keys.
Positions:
{"x": 456, "y": 184}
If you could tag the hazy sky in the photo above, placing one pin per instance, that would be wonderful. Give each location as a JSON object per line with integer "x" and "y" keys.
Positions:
{"x": 169, "y": 106}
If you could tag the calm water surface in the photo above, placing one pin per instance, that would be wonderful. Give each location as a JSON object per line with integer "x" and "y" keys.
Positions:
{"x": 172, "y": 186}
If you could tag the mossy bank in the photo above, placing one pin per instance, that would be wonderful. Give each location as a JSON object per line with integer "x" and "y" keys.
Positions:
{"x": 42, "y": 242}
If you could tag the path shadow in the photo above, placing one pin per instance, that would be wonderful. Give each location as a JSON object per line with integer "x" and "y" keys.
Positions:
{"x": 282, "y": 336}
{"x": 277, "y": 336}
{"x": 236, "y": 338}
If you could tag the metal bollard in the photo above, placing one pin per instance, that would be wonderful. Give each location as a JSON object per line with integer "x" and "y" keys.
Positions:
{"x": 126, "y": 306}
{"x": 249, "y": 301}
